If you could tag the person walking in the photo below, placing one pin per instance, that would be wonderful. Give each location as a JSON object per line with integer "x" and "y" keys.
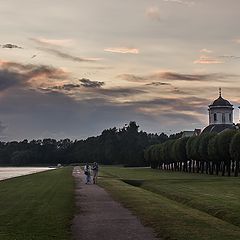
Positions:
{"x": 87, "y": 172}
{"x": 95, "y": 172}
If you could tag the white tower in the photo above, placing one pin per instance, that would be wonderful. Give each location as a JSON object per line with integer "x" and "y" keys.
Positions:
{"x": 221, "y": 111}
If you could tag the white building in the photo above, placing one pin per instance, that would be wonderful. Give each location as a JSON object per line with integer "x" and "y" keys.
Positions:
{"x": 220, "y": 115}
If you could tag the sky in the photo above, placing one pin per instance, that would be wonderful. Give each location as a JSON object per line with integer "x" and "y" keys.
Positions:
{"x": 70, "y": 69}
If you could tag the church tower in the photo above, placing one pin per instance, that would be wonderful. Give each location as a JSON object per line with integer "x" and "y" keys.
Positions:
{"x": 220, "y": 115}
{"x": 220, "y": 111}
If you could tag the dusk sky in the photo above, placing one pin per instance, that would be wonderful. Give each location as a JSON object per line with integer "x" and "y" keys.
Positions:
{"x": 70, "y": 69}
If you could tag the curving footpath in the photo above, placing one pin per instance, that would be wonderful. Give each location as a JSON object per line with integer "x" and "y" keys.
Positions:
{"x": 99, "y": 217}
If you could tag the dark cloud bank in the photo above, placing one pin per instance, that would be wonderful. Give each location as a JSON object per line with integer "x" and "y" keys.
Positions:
{"x": 31, "y": 113}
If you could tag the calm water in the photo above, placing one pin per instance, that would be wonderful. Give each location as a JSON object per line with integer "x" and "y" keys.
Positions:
{"x": 10, "y": 172}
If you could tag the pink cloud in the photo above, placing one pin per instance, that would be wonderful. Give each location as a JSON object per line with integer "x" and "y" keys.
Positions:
{"x": 153, "y": 13}
{"x": 205, "y": 50}
{"x": 237, "y": 40}
{"x": 186, "y": 2}
{"x": 122, "y": 50}
{"x": 207, "y": 60}
{"x": 55, "y": 42}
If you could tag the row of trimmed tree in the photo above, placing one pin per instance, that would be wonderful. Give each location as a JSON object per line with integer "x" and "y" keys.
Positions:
{"x": 209, "y": 153}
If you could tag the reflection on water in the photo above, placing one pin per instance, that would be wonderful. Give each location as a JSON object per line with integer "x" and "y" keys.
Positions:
{"x": 10, "y": 172}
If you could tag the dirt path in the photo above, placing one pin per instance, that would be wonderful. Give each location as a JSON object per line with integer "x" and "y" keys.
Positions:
{"x": 99, "y": 217}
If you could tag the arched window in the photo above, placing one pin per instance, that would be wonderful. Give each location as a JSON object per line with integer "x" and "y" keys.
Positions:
{"x": 223, "y": 118}
{"x": 215, "y": 117}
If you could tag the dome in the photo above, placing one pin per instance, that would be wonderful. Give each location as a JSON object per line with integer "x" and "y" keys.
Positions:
{"x": 221, "y": 102}
{"x": 217, "y": 128}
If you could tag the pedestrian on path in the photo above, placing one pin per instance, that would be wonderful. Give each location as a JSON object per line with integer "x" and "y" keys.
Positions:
{"x": 95, "y": 172}
{"x": 87, "y": 172}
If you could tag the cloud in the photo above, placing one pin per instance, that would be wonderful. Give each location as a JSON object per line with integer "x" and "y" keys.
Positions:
{"x": 10, "y": 46}
{"x": 132, "y": 77}
{"x": 120, "y": 91}
{"x": 15, "y": 74}
{"x": 68, "y": 56}
{"x": 34, "y": 71}
{"x": 9, "y": 79}
{"x": 87, "y": 83}
{"x": 53, "y": 42}
{"x": 184, "y": 77}
{"x": 2, "y": 127}
{"x": 47, "y": 45}
{"x": 208, "y": 60}
{"x": 122, "y": 50}
{"x": 153, "y": 13}
{"x": 237, "y": 40}
{"x": 90, "y": 89}
{"x": 230, "y": 57}
{"x": 66, "y": 87}
{"x": 185, "y": 2}
{"x": 176, "y": 90}
{"x": 205, "y": 50}
{"x": 158, "y": 84}
{"x": 182, "y": 112}
{"x": 36, "y": 114}
{"x": 159, "y": 76}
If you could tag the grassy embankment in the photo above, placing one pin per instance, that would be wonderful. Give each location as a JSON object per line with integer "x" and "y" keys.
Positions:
{"x": 179, "y": 205}
{"x": 38, "y": 206}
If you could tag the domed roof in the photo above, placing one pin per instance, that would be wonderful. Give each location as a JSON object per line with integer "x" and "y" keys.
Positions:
{"x": 217, "y": 128}
{"x": 221, "y": 102}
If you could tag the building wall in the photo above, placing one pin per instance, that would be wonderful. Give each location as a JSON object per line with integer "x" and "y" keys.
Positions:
{"x": 221, "y": 116}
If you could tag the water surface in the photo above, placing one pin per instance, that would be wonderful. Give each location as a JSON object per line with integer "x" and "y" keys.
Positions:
{"x": 10, "y": 172}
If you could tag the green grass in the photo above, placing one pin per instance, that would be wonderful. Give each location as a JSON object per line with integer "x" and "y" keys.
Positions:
{"x": 178, "y": 205}
{"x": 37, "y": 206}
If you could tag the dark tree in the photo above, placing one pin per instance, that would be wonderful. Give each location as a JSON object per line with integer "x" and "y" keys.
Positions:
{"x": 224, "y": 140}
{"x": 235, "y": 151}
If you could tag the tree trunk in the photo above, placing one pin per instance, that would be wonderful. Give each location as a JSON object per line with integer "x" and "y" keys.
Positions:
{"x": 223, "y": 169}
{"x": 217, "y": 168}
{"x": 198, "y": 166}
{"x": 185, "y": 167}
{"x": 211, "y": 168}
{"x": 229, "y": 168}
{"x": 202, "y": 167}
{"x": 236, "y": 169}
{"x": 233, "y": 166}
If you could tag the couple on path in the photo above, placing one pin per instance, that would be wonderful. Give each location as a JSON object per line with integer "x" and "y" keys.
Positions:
{"x": 87, "y": 172}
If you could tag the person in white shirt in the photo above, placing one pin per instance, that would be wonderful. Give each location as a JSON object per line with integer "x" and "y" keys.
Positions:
{"x": 87, "y": 172}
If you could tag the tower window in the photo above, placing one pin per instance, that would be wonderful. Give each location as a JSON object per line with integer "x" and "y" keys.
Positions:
{"x": 230, "y": 117}
{"x": 215, "y": 117}
{"x": 223, "y": 118}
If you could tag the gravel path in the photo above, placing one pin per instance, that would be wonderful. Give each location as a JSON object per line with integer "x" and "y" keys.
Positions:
{"x": 99, "y": 217}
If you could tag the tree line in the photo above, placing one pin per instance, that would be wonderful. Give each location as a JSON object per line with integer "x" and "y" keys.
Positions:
{"x": 114, "y": 146}
{"x": 208, "y": 153}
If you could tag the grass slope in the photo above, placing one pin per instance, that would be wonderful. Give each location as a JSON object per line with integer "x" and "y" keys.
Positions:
{"x": 179, "y": 205}
{"x": 38, "y": 206}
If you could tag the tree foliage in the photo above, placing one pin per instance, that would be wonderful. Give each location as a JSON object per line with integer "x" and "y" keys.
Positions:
{"x": 114, "y": 146}
{"x": 207, "y": 153}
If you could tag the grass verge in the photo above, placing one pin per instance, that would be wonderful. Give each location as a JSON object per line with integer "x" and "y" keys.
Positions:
{"x": 38, "y": 206}
{"x": 170, "y": 217}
